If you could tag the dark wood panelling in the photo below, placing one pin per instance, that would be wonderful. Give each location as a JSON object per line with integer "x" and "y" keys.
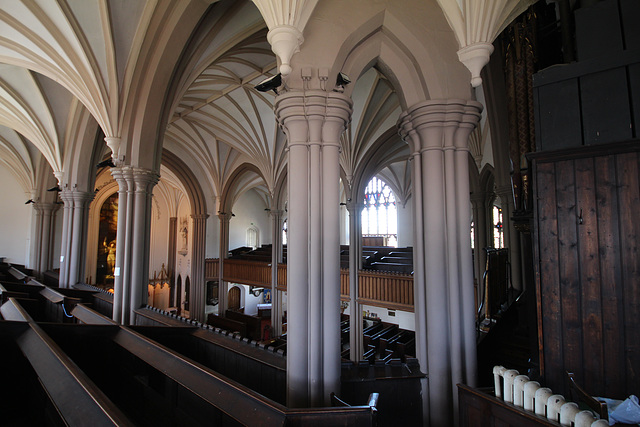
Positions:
{"x": 558, "y": 114}
{"x": 547, "y": 234}
{"x": 609, "y": 242}
{"x": 634, "y": 88}
{"x": 598, "y": 29}
{"x": 568, "y": 269}
{"x": 588, "y": 271}
{"x": 630, "y": 11}
{"x": 629, "y": 191}
{"x": 604, "y": 98}
{"x": 589, "y": 278}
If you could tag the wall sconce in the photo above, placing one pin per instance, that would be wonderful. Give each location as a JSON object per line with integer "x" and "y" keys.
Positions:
{"x": 255, "y": 291}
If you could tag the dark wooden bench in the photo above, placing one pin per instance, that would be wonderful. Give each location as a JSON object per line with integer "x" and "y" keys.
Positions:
{"x": 229, "y": 325}
{"x": 394, "y": 267}
{"x": 147, "y": 316}
{"x": 74, "y": 396}
{"x": 253, "y": 324}
{"x": 102, "y": 300}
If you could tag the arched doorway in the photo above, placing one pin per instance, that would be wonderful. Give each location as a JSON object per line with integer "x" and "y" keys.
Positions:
{"x": 187, "y": 293}
{"x": 234, "y": 298}
{"x": 179, "y": 293}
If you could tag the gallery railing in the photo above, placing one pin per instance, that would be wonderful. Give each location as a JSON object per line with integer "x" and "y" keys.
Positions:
{"x": 376, "y": 288}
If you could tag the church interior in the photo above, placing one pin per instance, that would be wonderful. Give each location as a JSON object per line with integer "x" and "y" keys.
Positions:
{"x": 319, "y": 213}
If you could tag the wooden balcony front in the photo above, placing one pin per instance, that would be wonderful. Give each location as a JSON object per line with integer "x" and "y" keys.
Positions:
{"x": 376, "y": 288}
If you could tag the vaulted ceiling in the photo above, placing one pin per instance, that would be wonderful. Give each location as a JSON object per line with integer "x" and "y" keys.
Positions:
{"x": 58, "y": 57}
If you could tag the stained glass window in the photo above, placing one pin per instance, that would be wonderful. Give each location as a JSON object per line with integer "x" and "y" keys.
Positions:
{"x": 498, "y": 232}
{"x": 380, "y": 215}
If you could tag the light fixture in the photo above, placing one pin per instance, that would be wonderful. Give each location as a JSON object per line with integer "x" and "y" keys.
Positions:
{"x": 29, "y": 202}
{"x": 272, "y": 83}
{"x": 255, "y": 291}
{"x": 341, "y": 81}
{"x": 105, "y": 163}
{"x": 54, "y": 188}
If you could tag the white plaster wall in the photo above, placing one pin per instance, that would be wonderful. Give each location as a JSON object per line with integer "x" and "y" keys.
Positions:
{"x": 249, "y": 211}
{"x": 15, "y": 220}
{"x": 212, "y": 248}
{"x": 183, "y": 260}
{"x": 56, "y": 249}
{"x": 405, "y": 225}
{"x": 159, "y": 247}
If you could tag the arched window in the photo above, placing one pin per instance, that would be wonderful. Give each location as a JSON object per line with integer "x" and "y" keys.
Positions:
{"x": 498, "y": 232}
{"x": 284, "y": 232}
{"x": 380, "y": 215}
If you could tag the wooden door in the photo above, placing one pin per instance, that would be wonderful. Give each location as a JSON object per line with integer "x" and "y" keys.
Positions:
{"x": 234, "y": 298}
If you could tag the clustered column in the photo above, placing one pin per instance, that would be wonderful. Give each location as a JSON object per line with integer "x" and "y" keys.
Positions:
{"x": 313, "y": 122}
{"x": 132, "y": 243}
{"x": 224, "y": 249}
{"x": 198, "y": 289}
{"x": 355, "y": 264}
{"x": 276, "y": 258}
{"x": 437, "y": 132}
{"x": 74, "y": 236}
{"x": 43, "y": 238}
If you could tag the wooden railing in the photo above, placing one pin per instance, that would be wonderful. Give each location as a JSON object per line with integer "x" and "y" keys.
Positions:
{"x": 376, "y": 288}
{"x": 386, "y": 290}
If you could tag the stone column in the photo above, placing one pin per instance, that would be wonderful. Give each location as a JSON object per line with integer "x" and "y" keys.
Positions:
{"x": 74, "y": 236}
{"x": 65, "y": 240}
{"x": 120, "y": 297}
{"x": 144, "y": 181}
{"x": 77, "y": 254}
{"x": 313, "y": 122}
{"x": 276, "y": 258}
{"x": 171, "y": 261}
{"x": 198, "y": 286}
{"x": 355, "y": 264}
{"x": 480, "y": 236}
{"x": 43, "y": 237}
{"x": 132, "y": 242}
{"x": 437, "y": 132}
{"x": 224, "y": 249}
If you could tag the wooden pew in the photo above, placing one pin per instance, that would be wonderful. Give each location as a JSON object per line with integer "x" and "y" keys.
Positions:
{"x": 102, "y": 300}
{"x": 147, "y": 316}
{"x": 57, "y": 305}
{"x": 253, "y": 324}
{"x": 229, "y": 325}
{"x": 390, "y": 342}
{"x": 75, "y": 397}
{"x": 388, "y": 330}
{"x": 395, "y": 267}
{"x": 86, "y": 315}
{"x": 157, "y": 386}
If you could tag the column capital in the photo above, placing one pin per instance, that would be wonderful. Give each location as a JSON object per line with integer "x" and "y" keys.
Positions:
{"x": 300, "y": 113}
{"x": 44, "y": 208}
{"x": 224, "y": 216}
{"x": 421, "y": 125}
{"x": 199, "y": 217}
{"x": 276, "y": 213}
{"x": 356, "y": 207}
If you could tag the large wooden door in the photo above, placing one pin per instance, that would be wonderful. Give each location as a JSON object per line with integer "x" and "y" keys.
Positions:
{"x": 234, "y": 298}
{"x": 587, "y": 240}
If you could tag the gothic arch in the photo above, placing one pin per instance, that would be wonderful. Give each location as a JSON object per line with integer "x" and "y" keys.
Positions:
{"x": 232, "y": 189}
{"x": 407, "y": 61}
{"x": 196, "y": 197}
